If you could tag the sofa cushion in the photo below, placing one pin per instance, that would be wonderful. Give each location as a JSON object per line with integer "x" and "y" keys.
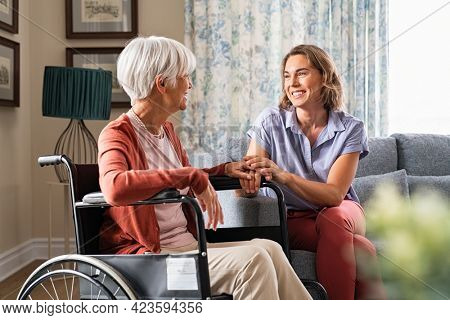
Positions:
{"x": 365, "y": 186}
{"x": 423, "y": 154}
{"x": 440, "y": 184}
{"x": 382, "y": 157}
{"x": 304, "y": 264}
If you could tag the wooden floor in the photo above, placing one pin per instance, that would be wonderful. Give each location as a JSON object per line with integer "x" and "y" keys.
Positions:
{"x": 9, "y": 288}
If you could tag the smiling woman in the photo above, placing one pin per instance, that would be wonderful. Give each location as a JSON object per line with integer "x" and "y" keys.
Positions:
{"x": 311, "y": 149}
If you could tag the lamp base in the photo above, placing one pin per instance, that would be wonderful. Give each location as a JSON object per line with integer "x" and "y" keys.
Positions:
{"x": 78, "y": 143}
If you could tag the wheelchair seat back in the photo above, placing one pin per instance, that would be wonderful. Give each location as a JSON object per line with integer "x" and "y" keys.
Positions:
{"x": 87, "y": 220}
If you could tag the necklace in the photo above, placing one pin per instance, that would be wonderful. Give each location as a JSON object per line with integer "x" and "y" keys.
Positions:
{"x": 160, "y": 135}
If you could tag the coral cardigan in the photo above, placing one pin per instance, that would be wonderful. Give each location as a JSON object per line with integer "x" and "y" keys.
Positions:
{"x": 125, "y": 178}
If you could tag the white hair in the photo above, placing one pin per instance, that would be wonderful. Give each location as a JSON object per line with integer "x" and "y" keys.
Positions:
{"x": 146, "y": 57}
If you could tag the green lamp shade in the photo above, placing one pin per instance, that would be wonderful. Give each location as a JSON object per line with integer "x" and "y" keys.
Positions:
{"x": 77, "y": 93}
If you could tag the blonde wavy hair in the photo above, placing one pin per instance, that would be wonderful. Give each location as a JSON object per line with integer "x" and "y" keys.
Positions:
{"x": 331, "y": 93}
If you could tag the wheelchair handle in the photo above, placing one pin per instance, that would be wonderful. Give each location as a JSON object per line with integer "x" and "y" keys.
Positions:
{"x": 50, "y": 160}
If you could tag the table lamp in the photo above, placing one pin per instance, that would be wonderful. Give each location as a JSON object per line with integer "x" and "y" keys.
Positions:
{"x": 77, "y": 94}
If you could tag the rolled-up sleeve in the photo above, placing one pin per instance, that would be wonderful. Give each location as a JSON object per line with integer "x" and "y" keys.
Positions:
{"x": 357, "y": 141}
{"x": 259, "y": 131}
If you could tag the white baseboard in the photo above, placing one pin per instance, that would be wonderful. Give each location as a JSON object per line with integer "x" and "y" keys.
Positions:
{"x": 18, "y": 257}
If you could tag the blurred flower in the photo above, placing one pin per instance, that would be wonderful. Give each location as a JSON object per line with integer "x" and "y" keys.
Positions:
{"x": 415, "y": 242}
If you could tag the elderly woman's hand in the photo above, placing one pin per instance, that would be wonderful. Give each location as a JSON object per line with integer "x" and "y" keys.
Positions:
{"x": 266, "y": 168}
{"x": 209, "y": 202}
{"x": 238, "y": 170}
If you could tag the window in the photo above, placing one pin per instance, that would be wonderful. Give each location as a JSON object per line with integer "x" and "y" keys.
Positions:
{"x": 419, "y": 67}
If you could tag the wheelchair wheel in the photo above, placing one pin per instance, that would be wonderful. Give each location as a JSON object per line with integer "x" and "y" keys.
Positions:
{"x": 75, "y": 277}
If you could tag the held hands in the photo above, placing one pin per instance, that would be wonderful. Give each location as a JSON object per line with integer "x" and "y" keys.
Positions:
{"x": 249, "y": 171}
{"x": 265, "y": 167}
{"x": 251, "y": 186}
{"x": 249, "y": 179}
{"x": 209, "y": 202}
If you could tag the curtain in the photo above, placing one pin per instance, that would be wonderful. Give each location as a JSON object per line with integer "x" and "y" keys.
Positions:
{"x": 239, "y": 46}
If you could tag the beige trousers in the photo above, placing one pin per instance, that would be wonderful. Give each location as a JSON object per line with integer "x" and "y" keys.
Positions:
{"x": 256, "y": 270}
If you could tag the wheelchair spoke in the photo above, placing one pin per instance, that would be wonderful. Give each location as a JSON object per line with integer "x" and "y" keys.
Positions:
{"x": 65, "y": 283}
{"x": 71, "y": 290}
{"x": 73, "y": 281}
{"x": 53, "y": 285}
{"x": 103, "y": 281}
{"x": 47, "y": 291}
{"x": 99, "y": 291}
{"x": 91, "y": 283}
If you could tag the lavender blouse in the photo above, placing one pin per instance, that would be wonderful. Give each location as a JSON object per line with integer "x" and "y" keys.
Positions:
{"x": 278, "y": 132}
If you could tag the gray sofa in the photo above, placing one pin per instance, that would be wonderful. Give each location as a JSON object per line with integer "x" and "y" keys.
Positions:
{"x": 408, "y": 160}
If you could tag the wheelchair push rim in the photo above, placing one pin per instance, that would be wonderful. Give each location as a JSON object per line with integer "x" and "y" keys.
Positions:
{"x": 92, "y": 279}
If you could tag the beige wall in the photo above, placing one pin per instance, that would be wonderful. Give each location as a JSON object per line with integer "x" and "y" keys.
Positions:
{"x": 15, "y": 150}
{"x": 25, "y": 134}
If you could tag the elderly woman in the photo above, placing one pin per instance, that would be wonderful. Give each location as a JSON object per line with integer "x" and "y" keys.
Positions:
{"x": 140, "y": 155}
{"x": 311, "y": 149}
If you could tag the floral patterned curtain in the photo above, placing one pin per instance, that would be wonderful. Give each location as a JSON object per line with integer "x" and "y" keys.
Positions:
{"x": 239, "y": 46}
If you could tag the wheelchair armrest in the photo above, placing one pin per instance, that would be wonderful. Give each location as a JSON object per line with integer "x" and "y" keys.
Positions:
{"x": 98, "y": 199}
{"x": 94, "y": 198}
{"x": 224, "y": 183}
{"x": 218, "y": 182}
{"x": 227, "y": 183}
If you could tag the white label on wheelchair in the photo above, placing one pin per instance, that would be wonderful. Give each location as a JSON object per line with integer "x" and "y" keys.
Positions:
{"x": 181, "y": 274}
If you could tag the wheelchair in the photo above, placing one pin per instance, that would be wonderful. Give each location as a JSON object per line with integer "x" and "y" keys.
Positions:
{"x": 89, "y": 275}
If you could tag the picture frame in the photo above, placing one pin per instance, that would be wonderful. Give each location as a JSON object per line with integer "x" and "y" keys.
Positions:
{"x": 9, "y": 73}
{"x": 104, "y": 58}
{"x": 100, "y": 19}
{"x": 9, "y": 15}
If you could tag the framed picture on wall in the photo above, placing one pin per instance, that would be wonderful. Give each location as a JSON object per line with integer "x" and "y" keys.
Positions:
{"x": 9, "y": 15}
{"x": 104, "y": 58}
{"x": 9, "y": 73}
{"x": 88, "y": 19}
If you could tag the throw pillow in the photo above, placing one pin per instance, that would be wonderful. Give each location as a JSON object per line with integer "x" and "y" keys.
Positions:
{"x": 382, "y": 157}
{"x": 365, "y": 186}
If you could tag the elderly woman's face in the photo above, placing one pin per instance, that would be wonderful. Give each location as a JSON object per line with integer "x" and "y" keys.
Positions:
{"x": 179, "y": 93}
{"x": 302, "y": 82}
